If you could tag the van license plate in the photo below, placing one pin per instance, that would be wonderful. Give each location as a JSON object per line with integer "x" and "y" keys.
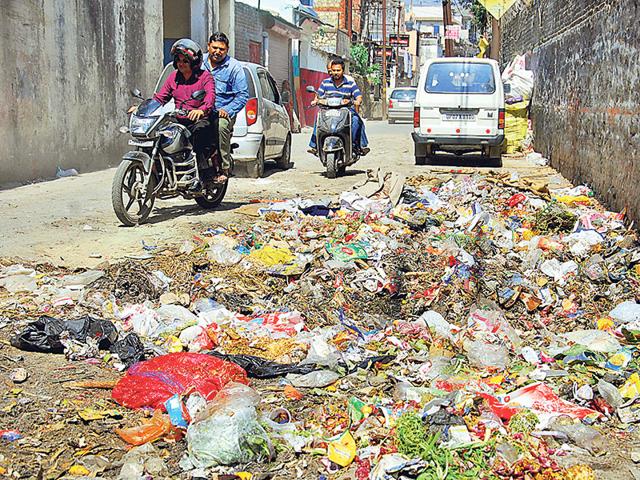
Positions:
{"x": 464, "y": 117}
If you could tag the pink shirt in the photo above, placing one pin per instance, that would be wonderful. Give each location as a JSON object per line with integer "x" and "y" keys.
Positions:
{"x": 180, "y": 90}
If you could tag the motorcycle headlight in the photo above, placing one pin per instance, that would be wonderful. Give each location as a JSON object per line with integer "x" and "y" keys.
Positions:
{"x": 141, "y": 125}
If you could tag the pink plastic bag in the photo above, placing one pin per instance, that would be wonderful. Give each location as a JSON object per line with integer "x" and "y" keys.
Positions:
{"x": 153, "y": 382}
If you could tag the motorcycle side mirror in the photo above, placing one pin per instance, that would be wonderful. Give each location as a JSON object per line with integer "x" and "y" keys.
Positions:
{"x": 285, "y": 97}
{"x": 137, "y": 93}
{"x": 198, "y": 95}
{"x": 310, "y": 89}
{"x": 507, "y": 87}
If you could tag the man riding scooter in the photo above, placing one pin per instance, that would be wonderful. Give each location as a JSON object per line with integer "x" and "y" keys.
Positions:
{"x": 341, "y": 84}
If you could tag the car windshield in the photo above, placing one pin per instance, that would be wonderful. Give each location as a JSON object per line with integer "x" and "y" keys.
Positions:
{"x": 460, "y": 77}
{"x": 148, "y": 107}
{"x": 404, "y": 95}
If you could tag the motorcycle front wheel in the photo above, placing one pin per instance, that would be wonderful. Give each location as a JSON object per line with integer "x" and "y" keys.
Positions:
{"x": 332, "y": 165}
{"x": 214, "y": 196}
{"x": 131, "y": 203}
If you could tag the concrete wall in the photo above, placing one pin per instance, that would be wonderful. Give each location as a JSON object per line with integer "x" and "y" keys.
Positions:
{"x": 66, "y": 70}
{"x": 586, "y": 106}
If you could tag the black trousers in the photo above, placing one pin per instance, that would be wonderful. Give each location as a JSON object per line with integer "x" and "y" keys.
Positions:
{"x": 204, "y": 137}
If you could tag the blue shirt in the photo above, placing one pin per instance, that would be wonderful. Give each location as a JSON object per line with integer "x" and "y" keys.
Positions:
{"x": 348, "y": 88}
{"x": 232, "y": 92}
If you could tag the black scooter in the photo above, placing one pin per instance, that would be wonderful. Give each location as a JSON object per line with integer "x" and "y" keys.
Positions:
{"x": 333, "y": 133}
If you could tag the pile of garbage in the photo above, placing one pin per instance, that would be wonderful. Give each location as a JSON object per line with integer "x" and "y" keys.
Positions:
{"x": 446, "y": 327}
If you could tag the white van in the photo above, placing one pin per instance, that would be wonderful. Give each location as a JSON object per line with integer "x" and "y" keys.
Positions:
{"x": 459, "y": 109}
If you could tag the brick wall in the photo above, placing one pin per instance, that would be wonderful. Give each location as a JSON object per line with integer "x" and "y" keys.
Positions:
{"x": 586, "y": 104}
{"x": 248, "y": 29}
{"x": 334, "y": 12}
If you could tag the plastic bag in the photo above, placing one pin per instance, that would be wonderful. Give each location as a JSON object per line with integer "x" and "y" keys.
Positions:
{"x": 230, "y": 433}
{"x": 257, "y": 367}
{"x": 19, "y": 283}
{"x": 270, "y": 256}
{"x": 594, "y": 340}
{"x": 540, "y": 399}
{"x": 626, "y": 312}
{"x": 151, "y": 383}
{"x": 129, "y": 350}
{"x": 157, "y": 427}
{"x": 44, "y": 334}
{"x": 439, "y": 325}
{"x": 486, "y": 355}
{"x": 223, "y": 255}
{"x": 318, "y": 379}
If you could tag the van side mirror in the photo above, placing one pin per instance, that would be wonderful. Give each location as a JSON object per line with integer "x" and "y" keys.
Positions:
{"x": 136, "y": 93}
{"x": 285, "y": 97}
{"x": 310, "y": 89}
{"x": 506, "y": 87}
{"x": 198, "y": 95}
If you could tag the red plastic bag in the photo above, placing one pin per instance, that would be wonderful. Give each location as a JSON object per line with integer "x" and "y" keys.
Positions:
{"x": 540, "y": 399}
{"x": 153, "y": 382}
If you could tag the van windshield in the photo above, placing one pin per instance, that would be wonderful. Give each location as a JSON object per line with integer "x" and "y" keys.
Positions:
{"x": 460, "y": 77}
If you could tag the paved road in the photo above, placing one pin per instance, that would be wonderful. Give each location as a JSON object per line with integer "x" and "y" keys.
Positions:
{"x": 70, "y": 220}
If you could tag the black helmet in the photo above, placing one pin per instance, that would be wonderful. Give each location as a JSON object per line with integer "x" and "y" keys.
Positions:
{"x": 188, "y": 48}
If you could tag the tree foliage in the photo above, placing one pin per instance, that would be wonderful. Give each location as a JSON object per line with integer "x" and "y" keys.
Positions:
{"x": 360, "y": 63}
{"x": 480, "y": 15}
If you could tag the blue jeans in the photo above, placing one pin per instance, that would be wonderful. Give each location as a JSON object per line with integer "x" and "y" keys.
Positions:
{"x": 358, "y": 133}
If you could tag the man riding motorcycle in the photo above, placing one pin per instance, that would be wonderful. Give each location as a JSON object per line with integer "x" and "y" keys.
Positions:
{"x": 200, "y": 119}
{"x": 339, "y": 82}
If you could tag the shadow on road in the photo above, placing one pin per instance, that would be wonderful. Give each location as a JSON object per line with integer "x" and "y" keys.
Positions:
{"x": 469, "y": 160}
{"x": 163, "y": 214}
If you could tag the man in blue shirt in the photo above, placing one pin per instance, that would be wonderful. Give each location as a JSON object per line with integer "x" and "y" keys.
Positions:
{"x": 232, "y": 93}
{"x": 339, "y": 82}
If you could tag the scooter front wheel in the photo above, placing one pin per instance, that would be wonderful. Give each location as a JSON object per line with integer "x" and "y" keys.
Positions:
{"x": 332, "y": 165}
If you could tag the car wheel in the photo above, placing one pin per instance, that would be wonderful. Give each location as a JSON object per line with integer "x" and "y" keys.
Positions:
{"x": 256, "y": 169}
{"x": 421, "y": 160}
{"x": 285, "y": 159}
{"x": 391, "y": 121}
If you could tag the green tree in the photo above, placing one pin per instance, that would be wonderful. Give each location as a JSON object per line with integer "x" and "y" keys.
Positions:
{"x": 361, "y": 65}
{"x": 480, "y": 14}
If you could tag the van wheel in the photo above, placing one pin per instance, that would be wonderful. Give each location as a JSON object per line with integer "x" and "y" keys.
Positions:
{"x": 421, "y": 160}
{"x": 495, "y": 162}
{"x": 256, "y": 169}
{"x": 391, "y": 122}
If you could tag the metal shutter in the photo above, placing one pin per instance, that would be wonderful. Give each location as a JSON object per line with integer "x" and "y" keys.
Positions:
{"x": 279, "y": 58}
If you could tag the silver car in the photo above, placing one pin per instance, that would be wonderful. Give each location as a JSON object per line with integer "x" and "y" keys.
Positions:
{"x": 263, "y": 129}
{"x": 401, "y": 103}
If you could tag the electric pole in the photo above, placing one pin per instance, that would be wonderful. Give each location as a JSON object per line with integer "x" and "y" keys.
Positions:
{"x": 495, "y": 39}
{"x": 384, "y": 59}
{"x": 447, "y": 19}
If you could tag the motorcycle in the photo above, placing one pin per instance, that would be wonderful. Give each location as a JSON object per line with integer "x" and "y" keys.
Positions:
{"x": 163, "y": 165}
{"x": 333, "y": 133}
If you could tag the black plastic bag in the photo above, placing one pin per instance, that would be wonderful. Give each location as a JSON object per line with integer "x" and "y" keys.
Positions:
{"x": 43, "y": 335}
{"x": 130, "y": 349}
{"x": 257, "y": 367}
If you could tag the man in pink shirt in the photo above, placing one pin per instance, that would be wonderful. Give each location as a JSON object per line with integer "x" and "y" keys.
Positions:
{"x": 179, "y": 86}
